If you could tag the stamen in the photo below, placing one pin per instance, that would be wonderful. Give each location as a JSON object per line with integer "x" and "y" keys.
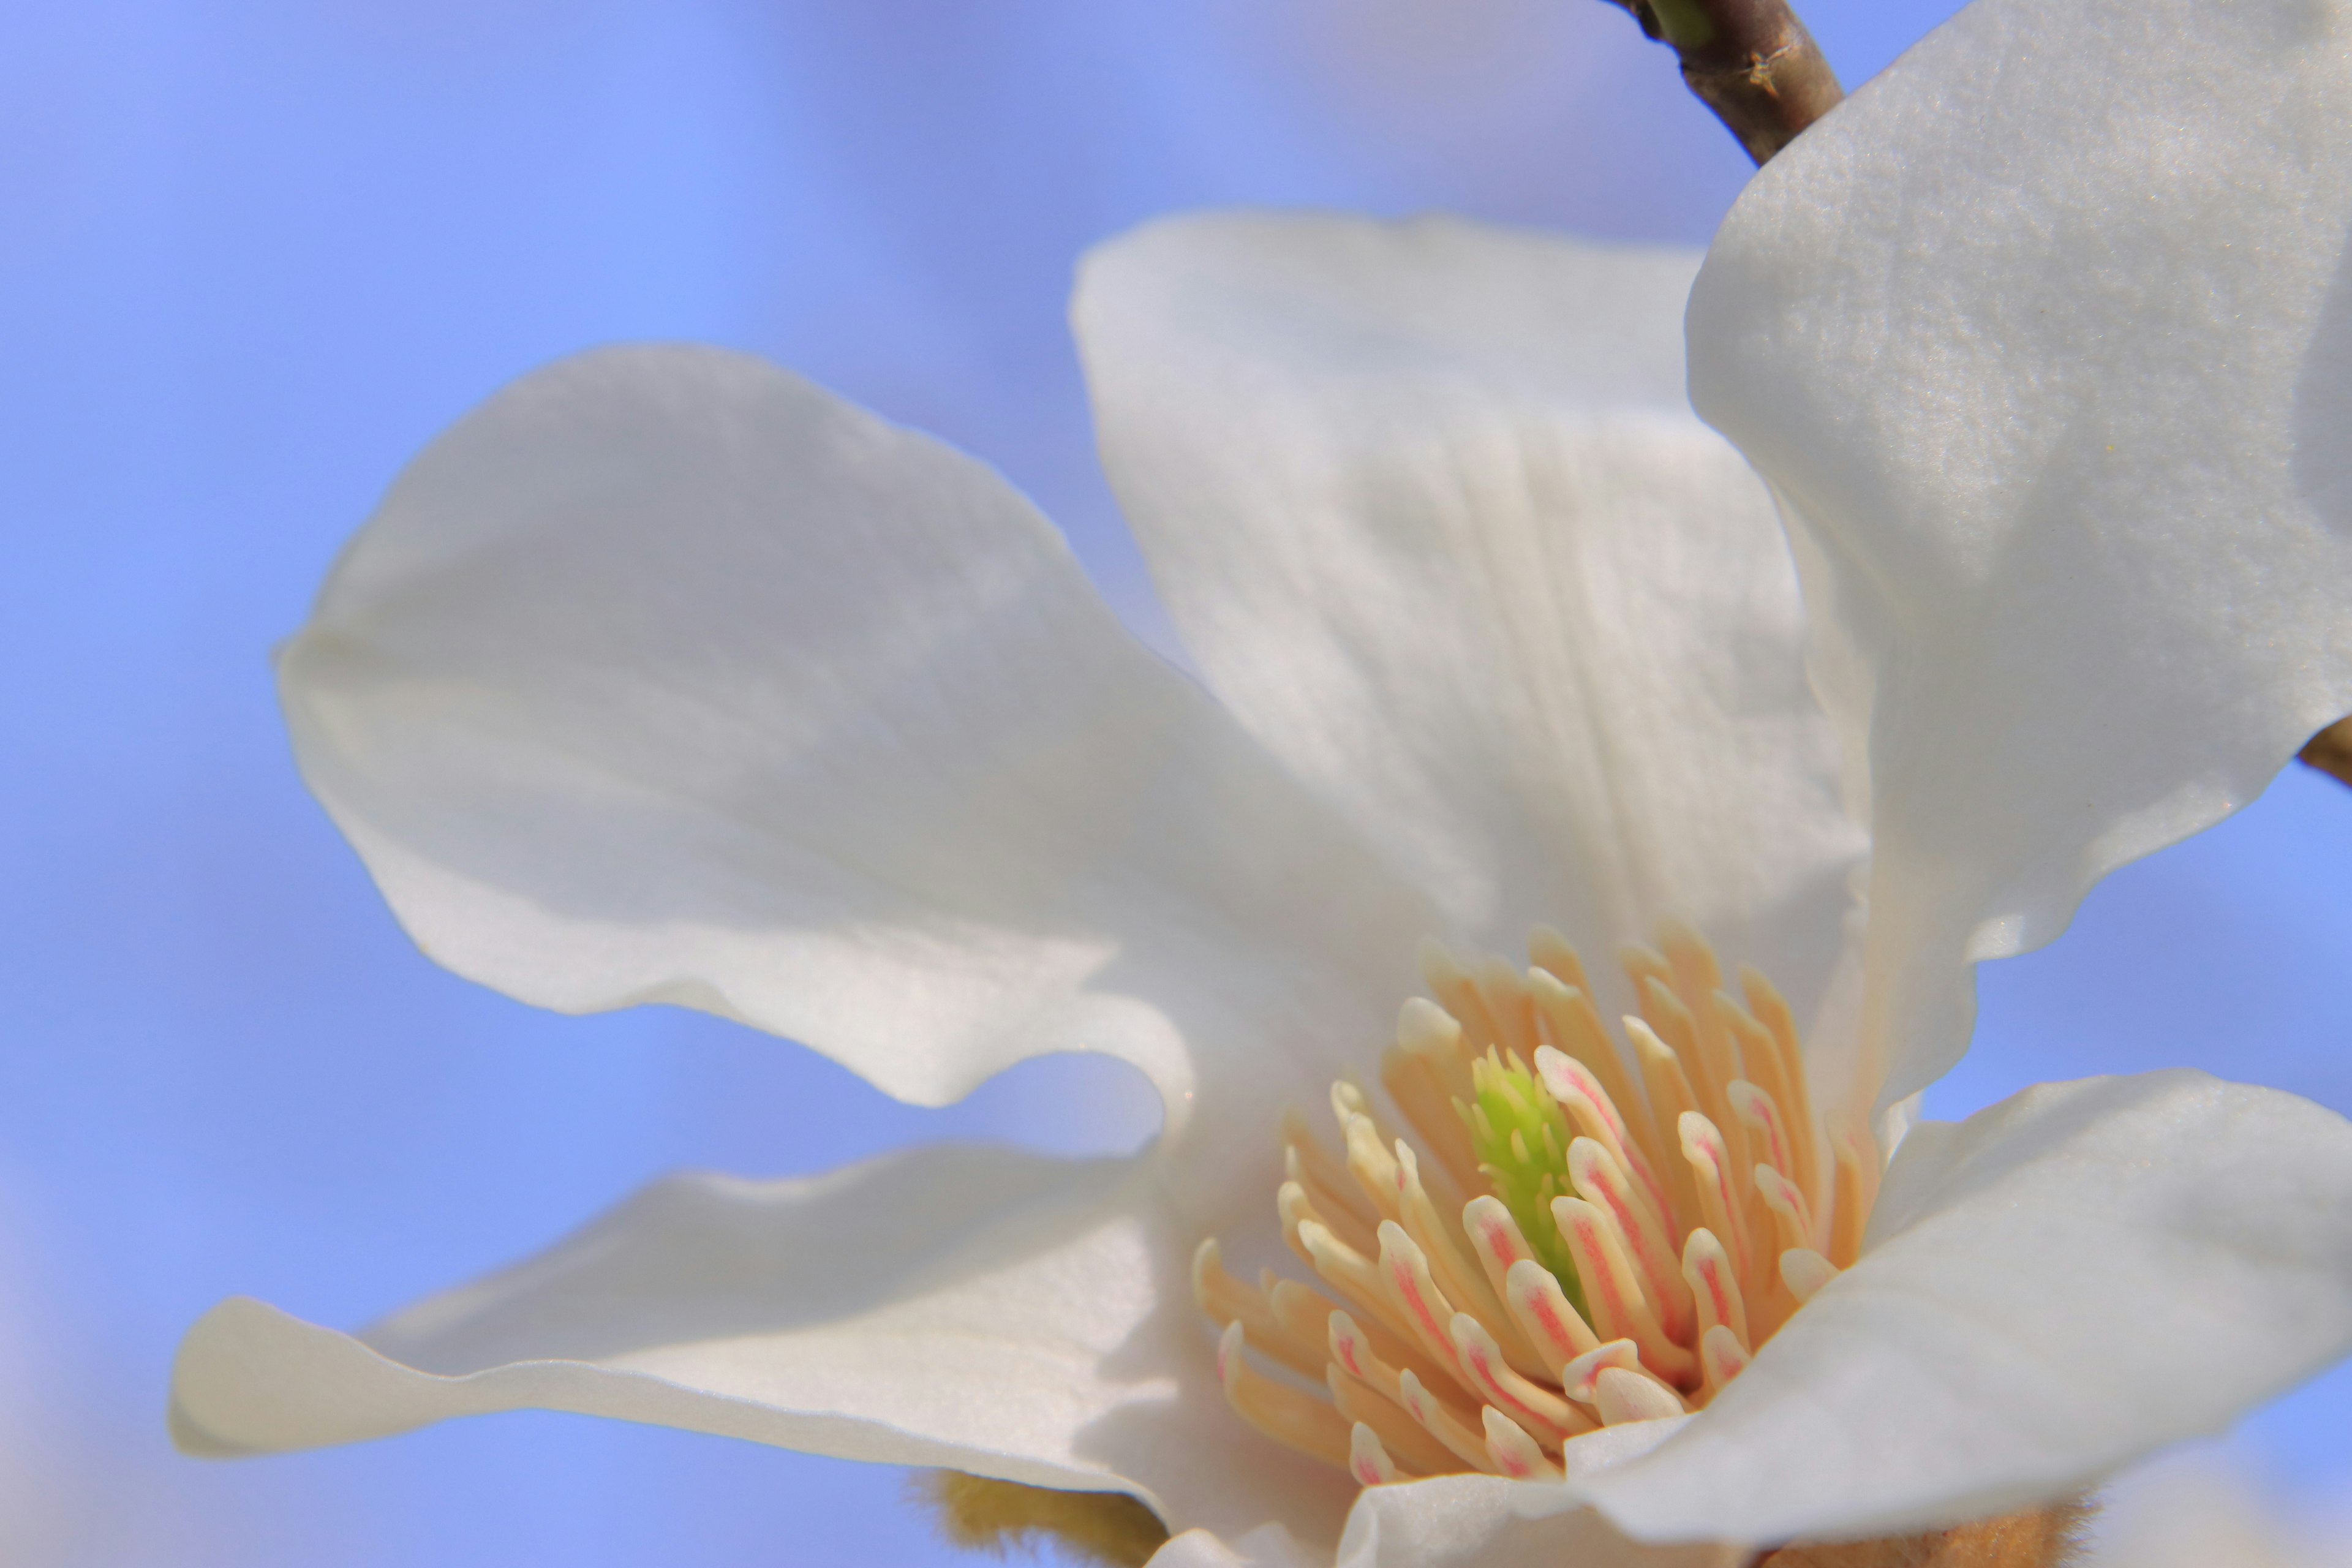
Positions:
{"x": 1405, "y": 1271}
{"x": 1600, "y": 1180}
{"x": 1462, "y": 1282}
{"x": 1805, "y": 1272}
{"x": 1624, "y": 1396}
{"x": 1515, "y": 1453}
{"x": 1723, "y": 1356}
{"x": 1670, "y": 1101}
{"x": 1507, "y": 1003}
{"x": 1495, "y": 1238}
{"x": 1696, "y": 978}
{"x": 1789, "y": 1218}
{"x": 1857, "y": 1188}
{"x": 1292, "y": 1418}
{"x": 1551, "y": 952}
{"x": 1619, "y": 1309}
{"x": 1718, "y": 1200}
{"x": 1454, "y": 993}
{"x": 1762, "y": 1118}
{"x": 1397, "y": 1431}
{"x": 1370, "y": 1161}
{"x": 1630, "y": 1230}
{"x": 1707, "y": 1270}
{"x": 1545, "y": 1314}
{"x": 1586, "y": 1102}
{"x": 1761, "y": 1054}
{"x": 1226, "y": 1299}
{"x": 1368, "y": 1461}
{"x": 1771, "y": 1012}
{"x": 1296, "y": 1209}
{"x": 1303, "y": 1314}
{"x": 1440, "y": 1420}
{"x": 1425, "y": 1073}
{"x": 1545, "y": 1414}
{"x": 1574, "y": 1029}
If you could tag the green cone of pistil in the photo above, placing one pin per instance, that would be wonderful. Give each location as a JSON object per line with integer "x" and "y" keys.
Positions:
{"x": 1521, "y": 1140}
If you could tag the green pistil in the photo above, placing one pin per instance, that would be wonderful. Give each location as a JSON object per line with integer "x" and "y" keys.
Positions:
{"x": 1521, "y": 1140}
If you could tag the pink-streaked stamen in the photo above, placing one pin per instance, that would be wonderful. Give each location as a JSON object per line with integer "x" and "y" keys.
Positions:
{"x": 1709, "y": 1205}
{"x": 1464, "y": 1441}
{"x": 1403, "y": 1437}
{"x": 1718, "y": 1200}
{"x": 1515, "y": 1453}
{"x": 1756, "y": 1112}
{"x": 1722, "y": 1357}
{"x": 1405, "y": 1271}
{"x": 1611, "y": 1289}
{"x": 1581, "y": 1377}
{"x": 1550, "y": 1417}
{"x": 1790, "y": 1219}
{"x": 1546, "y": 1314}
{"x": 1579, "y": 1093}
{"x": 1368, "y": 1461}
{"x": 1606, "y": 1184}
{"x": 1623, "y": 1396}
{"x": 1706, "y": 1267}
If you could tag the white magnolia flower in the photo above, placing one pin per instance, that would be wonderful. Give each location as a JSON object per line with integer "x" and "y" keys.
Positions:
{"x": 665, "y": 675}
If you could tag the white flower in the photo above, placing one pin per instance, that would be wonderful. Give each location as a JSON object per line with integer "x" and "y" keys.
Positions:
{"x": 664, "y": 676}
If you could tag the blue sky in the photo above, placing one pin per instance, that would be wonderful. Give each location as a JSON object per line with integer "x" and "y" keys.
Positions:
{"x": 260, "y": 249}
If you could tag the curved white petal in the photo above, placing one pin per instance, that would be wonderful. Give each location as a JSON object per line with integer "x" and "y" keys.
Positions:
{"x": 1478, "y": 1521}
{"x": 983, "y": 1308}
{"x": 2049, "y": 1290}
{"x": 1269, "y": 1546}
{"x": 2045, "y": 338}
{"x": 666, "y": 676}
{"x": 1429, "y": 507}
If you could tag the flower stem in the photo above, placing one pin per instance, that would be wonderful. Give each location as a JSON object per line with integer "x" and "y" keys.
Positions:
{"x": 1751, "y": 61}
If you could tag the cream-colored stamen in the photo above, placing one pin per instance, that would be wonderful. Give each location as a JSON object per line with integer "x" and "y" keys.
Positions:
{"x": 1723, "y": 1356}
{"x": 1398, "y": 1432}
{"x": 1546, "y": 1314}
{"x": 1580, "y": 1376}
{"x": 1368, "y": 1461}
{"x": 1719, "y": 1199}
{"x": 1538, "y": 1410}
{"x": 1706, "y": 1269}
{"x": 1439, "y": 1421}
{"x": 1292, "y": 1418}
{"x": 1515, "y": 1453}
{"x": 1805, "y": 1271}
{"x": 1571, "y": 1235}
{"x": 1601, "y": 1181}
{"x": 1624, "y": 1396}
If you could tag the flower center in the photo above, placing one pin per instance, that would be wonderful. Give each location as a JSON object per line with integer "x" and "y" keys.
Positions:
{"x": 1584, "y": 1236}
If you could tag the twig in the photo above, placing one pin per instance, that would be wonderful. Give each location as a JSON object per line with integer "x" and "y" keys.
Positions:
{"x": 2330, "y": 750}
{"x": 1751, "y": 61}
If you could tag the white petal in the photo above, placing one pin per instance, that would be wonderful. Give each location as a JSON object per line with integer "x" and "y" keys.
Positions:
{"x": 1485, "y": 1521}
{"x": 1269, "y": 1546}
{"x": 1428, "y": 507}
{"x": 665, "y": 675}
{"x": 2049, "y": 1290}
{"x": 982, "y": 1309}
{"x": 2045, "y": 337}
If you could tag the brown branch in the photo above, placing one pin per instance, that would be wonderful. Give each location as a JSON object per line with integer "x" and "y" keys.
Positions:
{"x": 2330, "y": 750}
{"x": 1751, "y": 61}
